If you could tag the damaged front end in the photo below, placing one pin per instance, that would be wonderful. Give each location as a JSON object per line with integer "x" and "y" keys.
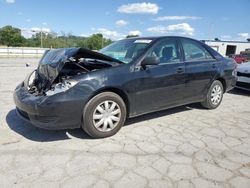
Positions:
{"x": 60, "y": 69}
{"x": 57, "y": 72}
{"x": 39, "y": 86}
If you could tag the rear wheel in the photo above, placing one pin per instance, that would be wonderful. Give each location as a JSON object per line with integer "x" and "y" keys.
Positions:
{"x": 214, "y": 95}
{"x": 104, "y": 115}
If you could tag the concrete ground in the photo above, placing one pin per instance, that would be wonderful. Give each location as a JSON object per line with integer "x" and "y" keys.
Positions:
{"x": 182, "y": 147}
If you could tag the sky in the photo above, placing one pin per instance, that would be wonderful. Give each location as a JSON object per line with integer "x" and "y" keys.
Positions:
{"x": 115, "y": 19}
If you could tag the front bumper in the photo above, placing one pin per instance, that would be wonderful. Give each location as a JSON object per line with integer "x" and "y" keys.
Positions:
{"x": 60, "y": 111}
{"x": 243, "y": 81}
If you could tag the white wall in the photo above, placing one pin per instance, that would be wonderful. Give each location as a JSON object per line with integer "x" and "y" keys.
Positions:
{"x": 221, "y": 46}
{"x": 21, "y": 52}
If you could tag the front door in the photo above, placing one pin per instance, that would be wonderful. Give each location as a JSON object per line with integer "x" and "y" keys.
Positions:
{"x": 160, "y": 86}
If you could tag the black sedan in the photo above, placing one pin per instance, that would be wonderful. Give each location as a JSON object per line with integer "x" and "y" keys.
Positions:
{"x": 76, "y": 87}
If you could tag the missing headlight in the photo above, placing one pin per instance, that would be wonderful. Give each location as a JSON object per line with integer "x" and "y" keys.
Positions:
{"x": 61, "y": 87}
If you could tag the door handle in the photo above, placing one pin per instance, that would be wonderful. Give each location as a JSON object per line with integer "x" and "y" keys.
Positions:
{"x": 179, "y": 70}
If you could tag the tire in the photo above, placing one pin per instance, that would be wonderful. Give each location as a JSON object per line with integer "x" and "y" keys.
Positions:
{"x": 211, "y": 102}
{"x": 101, "y": 117}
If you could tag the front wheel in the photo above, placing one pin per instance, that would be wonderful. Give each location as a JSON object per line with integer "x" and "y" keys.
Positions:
{"x": 214, "y": 95}
{"x": 104, "y": 115}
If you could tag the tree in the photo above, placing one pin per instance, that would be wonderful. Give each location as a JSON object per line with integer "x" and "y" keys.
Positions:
{"x": 11, "y": 36}
{"x": 96, "y": 42}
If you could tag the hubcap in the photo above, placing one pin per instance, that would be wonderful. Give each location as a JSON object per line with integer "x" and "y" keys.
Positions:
{"x": 216, "y": 95}
{"x": 106, "y": 116}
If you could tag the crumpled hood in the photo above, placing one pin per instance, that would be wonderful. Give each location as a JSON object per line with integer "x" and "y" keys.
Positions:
{"x": 244, "y": 67}
{"x": 54, "y": 60}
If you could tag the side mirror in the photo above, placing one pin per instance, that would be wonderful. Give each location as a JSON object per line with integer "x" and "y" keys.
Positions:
{"x": 150, "y": 61}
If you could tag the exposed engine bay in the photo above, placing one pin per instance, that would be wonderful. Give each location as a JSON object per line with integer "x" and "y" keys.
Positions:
{"x": 58, "y": 69}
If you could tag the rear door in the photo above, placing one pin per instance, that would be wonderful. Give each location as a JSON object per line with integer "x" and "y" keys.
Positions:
{"x": 200, "y": 67}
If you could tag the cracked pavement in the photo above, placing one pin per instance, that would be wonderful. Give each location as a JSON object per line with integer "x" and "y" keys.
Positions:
{"x": 185, "y": 147}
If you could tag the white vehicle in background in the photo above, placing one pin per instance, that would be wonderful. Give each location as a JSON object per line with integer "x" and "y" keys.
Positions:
{"x": 243, "y": 76}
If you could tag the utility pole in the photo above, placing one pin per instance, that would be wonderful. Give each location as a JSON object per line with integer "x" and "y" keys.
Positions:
{"x": 41, "y": 37}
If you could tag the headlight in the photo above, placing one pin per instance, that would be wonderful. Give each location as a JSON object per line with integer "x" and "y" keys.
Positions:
{"x": 31, "y": 78}
{"x": 234, "y": 73}
{"x": 61, "y": 87}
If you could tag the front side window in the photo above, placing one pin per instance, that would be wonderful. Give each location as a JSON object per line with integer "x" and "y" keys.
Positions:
{"x": 166, "y": 51}
{"x": 126, "y": 50}
{"x": 194, "y": 51}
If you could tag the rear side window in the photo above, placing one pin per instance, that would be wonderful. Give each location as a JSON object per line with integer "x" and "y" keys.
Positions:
{"x": 193, "y": 51}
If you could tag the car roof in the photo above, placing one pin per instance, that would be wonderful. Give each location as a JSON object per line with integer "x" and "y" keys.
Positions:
{"x": 156, "y": 37}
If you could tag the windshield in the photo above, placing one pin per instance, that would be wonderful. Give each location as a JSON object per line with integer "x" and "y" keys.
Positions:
{"x": 126, "y": 50}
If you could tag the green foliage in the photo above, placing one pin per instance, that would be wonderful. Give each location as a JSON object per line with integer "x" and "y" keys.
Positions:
{"x": 11, "y": 36}
{"x": 96, "y": 42}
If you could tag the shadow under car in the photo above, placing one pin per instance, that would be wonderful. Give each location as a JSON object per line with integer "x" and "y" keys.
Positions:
{"x": 33, "y": 133}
